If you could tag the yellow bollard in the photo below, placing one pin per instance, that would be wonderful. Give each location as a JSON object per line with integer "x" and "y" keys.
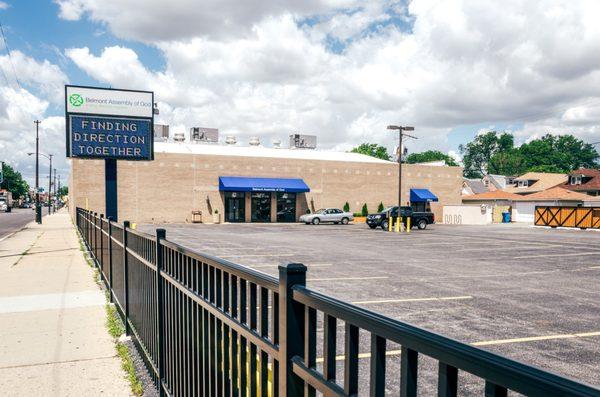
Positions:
{"x": 397, "y": 224}
{"x": 390, "y": 223}
{"x": 408, "y": 225}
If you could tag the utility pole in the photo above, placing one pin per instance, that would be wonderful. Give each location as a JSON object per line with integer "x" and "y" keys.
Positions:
{"x": 38, "y": 209}
{"x": 401, "y": 134}
{"x": 50, "y": 184}
{"x": 54, "y": 206}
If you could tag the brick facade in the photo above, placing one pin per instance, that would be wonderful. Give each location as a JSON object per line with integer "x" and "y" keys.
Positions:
{"x": 169, "y": 188}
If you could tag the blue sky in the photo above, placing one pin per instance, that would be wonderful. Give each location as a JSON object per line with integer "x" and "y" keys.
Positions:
{"x": 344, "y": 72}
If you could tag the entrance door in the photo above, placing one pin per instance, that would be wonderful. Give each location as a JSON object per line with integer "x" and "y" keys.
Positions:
{"x": 286, "y": 207}
{"x": 234, "y": 207}
{"x": 261, "y": 207}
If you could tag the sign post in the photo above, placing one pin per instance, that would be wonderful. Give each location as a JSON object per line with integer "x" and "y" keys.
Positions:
{"x": 109, "y": 124}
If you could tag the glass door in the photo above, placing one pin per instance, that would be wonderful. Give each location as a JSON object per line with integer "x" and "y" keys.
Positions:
{"x": 235, "y": 207}
{"x": 286, "y": 207}
{"x": 261, "y": 207}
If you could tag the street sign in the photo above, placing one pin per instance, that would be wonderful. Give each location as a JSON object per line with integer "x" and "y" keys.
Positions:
{"x": 106, "y": 123}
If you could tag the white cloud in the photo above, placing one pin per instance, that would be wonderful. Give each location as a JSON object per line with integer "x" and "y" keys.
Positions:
{"x": 462, "y": 62}
{"x": 44, "y": 77}
{"x": 3, "y": 5}
{"x": 42, "y": 84}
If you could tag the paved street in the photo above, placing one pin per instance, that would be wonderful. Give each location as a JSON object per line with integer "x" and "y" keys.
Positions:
{"x": 12, "y": 221}
{"x": 531, "y": 294}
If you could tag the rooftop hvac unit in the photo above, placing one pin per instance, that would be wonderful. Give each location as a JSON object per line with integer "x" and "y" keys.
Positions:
{"x": 277, "y": 143}
{"x": 205, "y": 135}
{"x": 299, "y": 141}
{"x": 254, "y": 141}
{"x": 178, "y": 137}
{"x": 161, "y": 132}
{"x": 230, "y": 140}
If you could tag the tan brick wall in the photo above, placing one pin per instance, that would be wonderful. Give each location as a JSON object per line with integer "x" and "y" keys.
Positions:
{"x": 170, "y": 187}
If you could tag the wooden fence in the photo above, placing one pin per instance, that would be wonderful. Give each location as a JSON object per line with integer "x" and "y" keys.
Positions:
{"x": 581, "y": 217}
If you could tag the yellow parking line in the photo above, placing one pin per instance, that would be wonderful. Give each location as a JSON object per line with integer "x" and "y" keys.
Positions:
{"x": 594, "y": 267}
{"x": 443, "y": 298}
{"x": 536, "y": 338}
{"x": 348, "y": 278}
{"x": 486, "y": 343}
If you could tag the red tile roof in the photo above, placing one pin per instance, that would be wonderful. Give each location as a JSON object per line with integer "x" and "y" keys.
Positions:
{"x": 592, "y": 184}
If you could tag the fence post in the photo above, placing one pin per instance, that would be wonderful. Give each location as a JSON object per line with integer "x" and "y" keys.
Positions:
{"x": 110, "y": 260}
{"x": 291, "y": 328}
{"x": 126, "y": 278}
{"x": 160, "y": 235}
{"x": 102, "y": 248}
{"x": 95, "y": 238}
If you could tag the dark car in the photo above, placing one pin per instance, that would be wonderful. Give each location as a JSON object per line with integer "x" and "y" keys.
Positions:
{"x": 417, "y": 219}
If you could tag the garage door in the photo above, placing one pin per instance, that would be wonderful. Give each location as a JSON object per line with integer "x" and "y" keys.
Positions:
{"x": 525, "y": 212}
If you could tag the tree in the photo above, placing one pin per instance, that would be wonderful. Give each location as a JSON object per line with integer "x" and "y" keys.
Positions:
{"x": 373, "y": 150}
{"x": 14, "y": 182}
{"x": 380, "y": 208}
{"x": 430, "y": 155}
{"x": 365, "y": 210}
{"x": 346, "y": 207}
{"x": 478, "y": 153}
{"x": 550, "y": 153}
{"x": 63, "y": 191}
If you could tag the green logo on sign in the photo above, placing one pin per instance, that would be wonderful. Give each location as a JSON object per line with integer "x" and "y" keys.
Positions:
{"x": 76, "y": 100}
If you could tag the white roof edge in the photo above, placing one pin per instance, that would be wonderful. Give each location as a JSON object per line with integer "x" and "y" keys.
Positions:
{"x": 260, "y": 151}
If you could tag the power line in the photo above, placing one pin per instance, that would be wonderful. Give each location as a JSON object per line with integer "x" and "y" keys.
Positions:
{"x": 9, "y": 57}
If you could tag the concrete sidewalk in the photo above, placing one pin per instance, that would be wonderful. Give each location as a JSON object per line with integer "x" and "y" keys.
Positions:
{"x": 53, "y": 338}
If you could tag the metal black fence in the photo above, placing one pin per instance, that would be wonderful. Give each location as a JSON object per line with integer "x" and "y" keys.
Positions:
{"x": 209, "y": 327}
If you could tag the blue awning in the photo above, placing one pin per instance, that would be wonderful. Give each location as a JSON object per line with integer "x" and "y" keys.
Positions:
{"x": 422, "y": 196}
{"x": 244, "y": 184}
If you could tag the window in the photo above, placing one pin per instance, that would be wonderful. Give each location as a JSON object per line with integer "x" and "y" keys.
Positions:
{"x": 575, "y": 179}
{"x": 522, "y": 183}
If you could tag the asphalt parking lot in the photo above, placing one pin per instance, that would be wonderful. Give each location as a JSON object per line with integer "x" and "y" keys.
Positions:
{"x": 528, "y": 293}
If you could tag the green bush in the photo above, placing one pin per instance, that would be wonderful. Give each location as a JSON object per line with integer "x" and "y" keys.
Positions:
{"x": 346, "y": 207}
{"x": 380, "y": 207}
{"x": 365, "y": 210}
{"x": 357, "y": 214}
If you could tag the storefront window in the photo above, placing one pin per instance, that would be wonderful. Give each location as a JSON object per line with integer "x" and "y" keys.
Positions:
{"x": 261, "y": 207}
{"x": 286, "y": 207}
{"x": 235, "y": 207}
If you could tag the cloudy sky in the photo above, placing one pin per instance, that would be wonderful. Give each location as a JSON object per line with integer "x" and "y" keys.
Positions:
{"x": 339, "y": 69}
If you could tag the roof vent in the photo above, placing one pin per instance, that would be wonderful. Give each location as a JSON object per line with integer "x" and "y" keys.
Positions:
{"x": 230, "y": 140}
{"x": 300, "y": 141}
{"x": 254, "y": 141}
{"x": 179, "y": 137}
{"x": 277, "y": 143}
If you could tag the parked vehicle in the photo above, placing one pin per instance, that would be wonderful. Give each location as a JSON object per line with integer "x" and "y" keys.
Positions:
{"x": 6, "y": 201}
{"x": 417, "y": 219}
{"x": 334, "y": 215}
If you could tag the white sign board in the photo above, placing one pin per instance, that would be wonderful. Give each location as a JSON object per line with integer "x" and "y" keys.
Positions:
{"x": 109, "y": 102}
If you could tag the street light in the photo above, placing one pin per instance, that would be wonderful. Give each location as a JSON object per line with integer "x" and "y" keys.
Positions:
{"x": 401, "y": 134}
{"x": 49, "y": 157}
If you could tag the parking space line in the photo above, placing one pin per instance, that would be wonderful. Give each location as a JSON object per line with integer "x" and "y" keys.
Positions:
{"x": 536, "y": 338}
{"x": 486, "y": 343}
{"x": 348, "y": 278}
{"x": 443, "y": 298}
{"x": 556, "y": 255}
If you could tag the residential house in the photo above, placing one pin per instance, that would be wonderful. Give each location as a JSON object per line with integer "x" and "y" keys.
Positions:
{"x": 496, "y": 202}
{"x": 584, "y": 180}
{"x": 497, "y": 182}
{"x": 533, "y": 182}
{"x": 473, "y": 186}
{"x": 524, "y": 205}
